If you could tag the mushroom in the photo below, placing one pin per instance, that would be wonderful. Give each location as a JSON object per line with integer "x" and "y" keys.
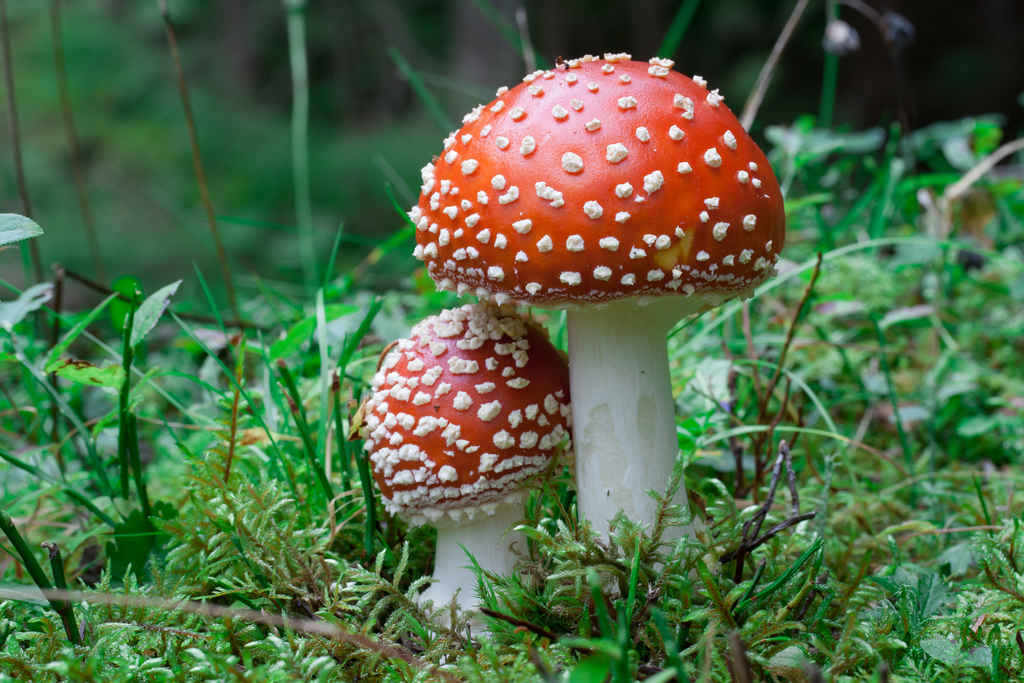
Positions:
{"x": 628, "y": 194}
{"x": 463, "y": 412}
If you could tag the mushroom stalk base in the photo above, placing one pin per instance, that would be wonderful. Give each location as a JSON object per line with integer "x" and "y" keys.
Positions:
{"x": 488, "y": 539}
{"x": 624, "y": 427}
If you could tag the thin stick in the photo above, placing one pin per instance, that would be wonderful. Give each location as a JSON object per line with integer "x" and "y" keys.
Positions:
{"x": 73, "y": 147}
{"x": 197, "y": 159}
{"x": 308, "y": 626}
{"x": 12, "y": 114}
{"x": 764, "y": 78}
{"x": 194, "y": 317}
{"x": 296, "y": 20}
{"x": 981, "y": 168}
{"x": 789, "y": 338}
{"x": 58, "y": 300}
{"x": 534, "y": 628}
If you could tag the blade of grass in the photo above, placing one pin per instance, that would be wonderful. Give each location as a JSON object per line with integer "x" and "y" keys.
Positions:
{"x": 370, "y": 503}
{"x": 193, "y": 415}
{"x": 209, "y": 297}
{"x": 80, "y": 498}
{"x": 883, "y": 360}
{"x": 353, "y": 340}
{"x": 94, "y": 464}
{"x": 341, "y": 436}
{"x": 523, "y": 26}
{"x": 677, "y": 29}
{"x": 298, "y": 411}
{"x": 335, "y": 249}
{"x": 295, "y": 12}
{"x": 123, "y": 413}
{"x": 274, "y": 448}
{"x": 58, "y": 300}
{"x": 427, "y": 98}
{"x": 506, "y": 28}
{"x": 233, "y": 434}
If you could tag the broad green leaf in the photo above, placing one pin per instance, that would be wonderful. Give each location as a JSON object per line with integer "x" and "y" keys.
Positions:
{"x": 150, "y": 311}
{"x": 74, "y": 332}
{"x": 296, "y": 337}
{"x": 334, "y": 311}
{"x": 84, "y": 372}
{"x": 134, "y": 539}
{"x": 301, "y": 331}
{"x": 32, "y": 299}
{"x": 15, "y": 228}
{"x": 941, "y": 649}
{"x": 592, "y": 669}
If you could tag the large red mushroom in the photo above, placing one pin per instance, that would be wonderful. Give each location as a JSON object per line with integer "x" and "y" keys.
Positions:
{"x": 628, "y": 194}
{"x": 463, "y": 413}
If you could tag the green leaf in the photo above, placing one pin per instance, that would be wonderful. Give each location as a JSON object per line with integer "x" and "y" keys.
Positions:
{"x": 134, "y": 539}
{"x": 15, "y": 228}
{"x": 300, "y": 332}
{"x": 84, "y": 372}
{"x": 941, "y": 649}
{"x": 293, "y": 340}
{"x": 32, "y": 299}
{"x": 593, "y": 669}
{"x": 74, "y": 332}
{"x": 150, "y": 311}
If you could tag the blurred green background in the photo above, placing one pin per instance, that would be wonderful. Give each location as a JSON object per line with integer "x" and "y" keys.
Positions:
{"x": 917, "y": 62}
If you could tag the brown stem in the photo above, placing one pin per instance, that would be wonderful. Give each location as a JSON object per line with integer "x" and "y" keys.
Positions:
{"x": 74, "y": 149}
{"x": 197, "y": 159}
{"x": 58, "y": 301}
{"x": 194, "y": 317}
{"x": 789, "y": 339}
{"x": 12, "y": 114}
{"x": 534, "y": 628}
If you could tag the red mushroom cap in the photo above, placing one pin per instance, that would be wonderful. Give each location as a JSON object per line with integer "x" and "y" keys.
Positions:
{"x": 598, "y": 180}
{"x": 464, "y": 410}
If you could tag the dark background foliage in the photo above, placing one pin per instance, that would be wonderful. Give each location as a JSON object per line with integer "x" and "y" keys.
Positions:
{"x": 918, "y": 62}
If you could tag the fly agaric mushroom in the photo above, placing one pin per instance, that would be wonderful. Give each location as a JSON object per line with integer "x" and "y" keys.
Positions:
{"x": 628, "y": 194}
{"x": 462, "y": 413}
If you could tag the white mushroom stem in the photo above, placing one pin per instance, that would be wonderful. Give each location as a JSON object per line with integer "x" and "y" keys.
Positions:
{"x": 487, "y": 537}
{"x": 624, "y": 427}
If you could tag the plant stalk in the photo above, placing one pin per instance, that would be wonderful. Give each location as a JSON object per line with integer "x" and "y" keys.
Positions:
{"x": 62, "y": 608}
{"x": 12, "y": 114}
{"x": 197, "y": 158}
{"x": 296, "y": 20}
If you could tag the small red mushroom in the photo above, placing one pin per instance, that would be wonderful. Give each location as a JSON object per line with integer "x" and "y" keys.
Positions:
{"x": 463, "y": 412}
{"x": 628, "y": 194}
